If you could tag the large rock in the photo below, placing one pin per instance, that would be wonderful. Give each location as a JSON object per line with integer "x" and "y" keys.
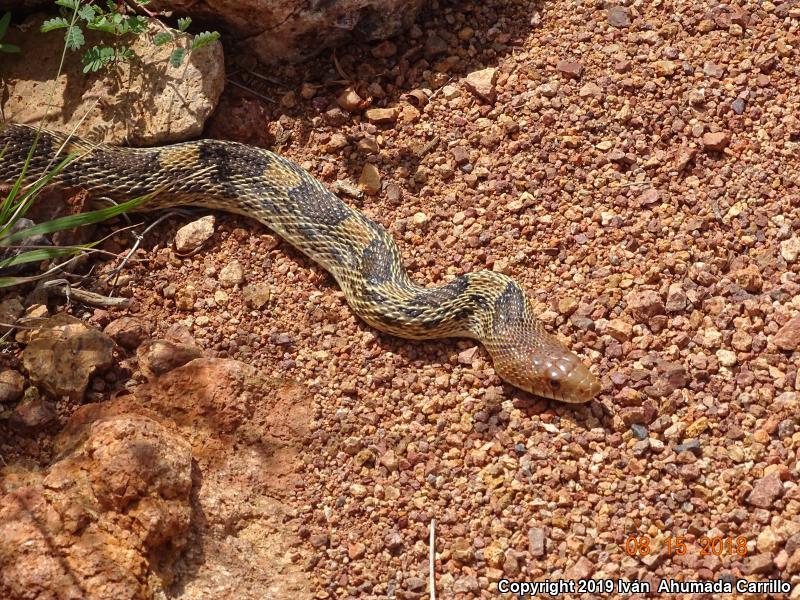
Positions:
{"x": 63, "y": 354}
{"x": 186, "y": 484}
{"x": 296, "y": 29}
{"x": 145, "y": 102}
{"x": 100, "y": 520}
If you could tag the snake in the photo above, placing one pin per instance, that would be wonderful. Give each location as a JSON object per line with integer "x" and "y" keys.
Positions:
{"x": 487, "y": 306}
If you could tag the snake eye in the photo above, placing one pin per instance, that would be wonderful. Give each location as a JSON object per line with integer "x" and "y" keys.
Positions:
{"x": 555, "y": 384}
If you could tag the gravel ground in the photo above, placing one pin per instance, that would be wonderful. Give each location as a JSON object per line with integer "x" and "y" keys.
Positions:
{"x": 636, "y": 169}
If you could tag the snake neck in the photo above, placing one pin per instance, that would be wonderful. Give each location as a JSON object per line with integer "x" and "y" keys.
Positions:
{"x": 463, "y": 307}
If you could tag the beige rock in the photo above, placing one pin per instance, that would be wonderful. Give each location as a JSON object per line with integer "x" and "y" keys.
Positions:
{"x": 256, "y": 295}
{"x": 11, "y": 385}
{"x": 370, "y": 180}
{"x": 231, "y": 274}
{"x": 157, "y": 357}
{"x": 193, "y": 235}
{"x": 145, "y": 102}
{"x": 481, "y": 83}
{"x": 350, "y": 101}
{"x": 382, "y": 116}
{"x": 128, "y": 332}
{"x": 63, "y": 354}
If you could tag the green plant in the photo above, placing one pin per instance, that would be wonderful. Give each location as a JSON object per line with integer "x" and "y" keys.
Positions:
{"x": 16, "y": 205}
{"x": 5, "y": 46}
{"x": 113, "y": 20}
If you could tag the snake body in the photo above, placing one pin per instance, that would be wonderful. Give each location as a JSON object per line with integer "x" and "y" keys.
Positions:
{"x": 360, "y": 255}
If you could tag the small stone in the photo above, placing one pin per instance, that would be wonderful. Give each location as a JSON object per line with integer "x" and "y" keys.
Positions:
{"x": 676, "y": 298}
{"x": 765, "y": 491}
{"x": 157, "y": 357}
{"x": 590, "y": 89}
{"x": 618, "y": 16}
{"x": 788, "y": 337}
{"x": 712, "y": 70}
{"x": 389, "y": 460}
{"x": 465, "y": 34}
{"x": 221, "y": 297}
{"x": 750, "y": 279}
{"x": 356, "y": 550}
{"x": 419, "y": 218}
{"x": 308, "y": 91}
{"x": 726, "y": 358}
{"x": 460, "y": 155}
{"x": 548, "y": 90}
{"x": 337, "y": 142}
{"x": 382, "y": 116}
{"x": 481, "y": 83}
{"x": 393, "y": 541}
{"x": 790, "y": 249}
{"x": 620, "y": 330}
{"x": 193, "y": 235}
{"x": 580, "y": 570}
{"x": 368, "y": 144}
{"x": 738, "y": 106}
{"x": 742, "y": 341}
{"x": 256, "y": 295}
{"x": 128, "y": 332}
{"x": 289, "y": 99}
{"x": 384, "y": 50}
{"x": 231, "y": 274}
{"x": 645, "y": 304}
{"x": 11, "y": 309}
{"x": 639, "y": 431}
{"x": 691, "y": 445}
{"x": 467, "y": 356}
{"x": 435, "y": 45}
{"x": 536, "y": 540}
{"x": 462, "y": 550}
{"x": 11, "y": 385}
{"x": 567, "y": 305}
{"x": 758, "y": 564}
{"x": 370, "y": 180}
{"x": 416, "y": 584}
{"x": 34, "y": 411}
{"x": 649, "y": 197}
{"x": 716, "y": 141}
{"x": 697, "y": 427}
{"x": 570, "y": 69}
{"x": 63, "y": 354}
{"x": 666, "y": 68}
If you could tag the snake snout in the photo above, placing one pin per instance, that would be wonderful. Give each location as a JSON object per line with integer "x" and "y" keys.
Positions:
{"x": 569, "y": 380}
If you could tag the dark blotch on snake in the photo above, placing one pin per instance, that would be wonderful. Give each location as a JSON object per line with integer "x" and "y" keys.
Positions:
{"x": 509, "y": 310}
{"x": 317, "y": 204}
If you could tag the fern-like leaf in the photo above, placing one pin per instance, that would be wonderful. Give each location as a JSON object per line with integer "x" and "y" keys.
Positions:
{"x": 56, "y": 23}
{"x": 74, "y": 37}
{"x": 204, "y": 39}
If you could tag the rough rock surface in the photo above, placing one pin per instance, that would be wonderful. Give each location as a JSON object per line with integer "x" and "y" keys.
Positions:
{"x": 100, "y": 522}
{"x": 182, "y": 485}
{"x": 146, "y": 102}
{"x": 297, "y": 29}
{"x": 63, "y": 353}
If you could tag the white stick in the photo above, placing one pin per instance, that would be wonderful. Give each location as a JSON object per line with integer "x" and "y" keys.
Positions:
{"x": 432, "y": 546}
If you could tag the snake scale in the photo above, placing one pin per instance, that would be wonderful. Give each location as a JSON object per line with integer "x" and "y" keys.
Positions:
{"x": 362, "y": 257}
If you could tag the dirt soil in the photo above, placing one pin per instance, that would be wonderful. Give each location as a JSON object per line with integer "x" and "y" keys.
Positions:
{"x": 637, "y": 169}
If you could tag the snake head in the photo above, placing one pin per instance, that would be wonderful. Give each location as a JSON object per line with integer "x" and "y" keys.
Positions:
{"x": 528, "y": 357}
{"x": 556, "y": 373}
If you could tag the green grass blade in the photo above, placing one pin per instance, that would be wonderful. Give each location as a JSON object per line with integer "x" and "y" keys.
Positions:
{"x": 41, "y": 254}
{"x": 78, "y": 220}
{"x": 20, "y": 207}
